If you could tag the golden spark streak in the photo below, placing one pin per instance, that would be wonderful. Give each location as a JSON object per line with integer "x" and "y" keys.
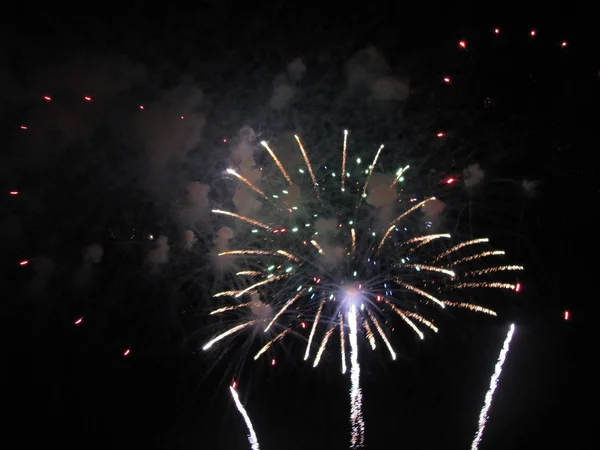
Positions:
{"x": 353, "y": 234}
{"x": 398, "y": 175}
{"x": 459, "y": 246}
{"x": 427, "y": 268}
{"x": 244, "y": 218}
{"x": 492, "y": 270}
{"x": 250, "y": 273}
{"x": 247, "y": 182}
{"x": 260, "y": 283}
{"x": 228, "y": 333}
{"x": 364, "y": 193}
{"x": 342, "y": 344}
{"x": 369, "y": 334}
{"x": 344, "y": 158}
{"x": 284, "y": 307}
{"x": 421, "y": 320}
{"x": 230, "y": 308}
{"x": 227, "y": 293}
{"x": 400, "y": 217}
{"x": 281, "y": 168}
{"x": 308, "y": 165}
{"x": 267, "y": 346}
{"x": 323, "y": 345}
{"x": 426, "y": 238}
{"x": 405, "y": 318}
{"x": 489, "y": 285}
{"x": 288, "y": 255}
{"x": 382, "y": 334}
{"x": 314, "y": 327}
{"x": 317, "y": 246}
{"x": 471, "y": 307}
{"x": 421, "y": 292}
{"x": 477, "y": 256}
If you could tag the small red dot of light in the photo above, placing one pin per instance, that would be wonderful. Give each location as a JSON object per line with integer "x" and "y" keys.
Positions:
{"x": 14, "y": 192}
{"x": 142, "y": 107}
{"x": 224, "y": 139}
{"x": 563, "y": 44}
{"x": 150, "y": 237}
{"x": 450, "y": 181}
{"x": 24, "y": 262}
{"x": 303, "y": 325}
{"x": 273, "y": 362}
{"x": 533, "y": 33}
{"x": 440, "y": 134}
{"x": 47, "y": 98}
{"x": 23, "y": 127}
{"x": 447, "y": 79}
{"x": 181, "y": 117}
{"x": 462, "y": 44}
{"x": 126, "y": 352}
{"x": 78, "y": 321}
{"x": 567, "y": 315}
{"x": 87, "y": 99}
{"x": 517, "y": 287}
{"x": 497, "y": 30}
{"x": 234, "y": 384}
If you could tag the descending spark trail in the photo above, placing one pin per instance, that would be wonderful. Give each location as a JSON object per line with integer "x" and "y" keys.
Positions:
{"x": 251, "y": 434}
{"x": 344, "y": 158}
{"x": 356, "y": 421}
{"x": 483, "y": 415}
{"x": 228, "y": 333}
{"x": 279, "y": 165}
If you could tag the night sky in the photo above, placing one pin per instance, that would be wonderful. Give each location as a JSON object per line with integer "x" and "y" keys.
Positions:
{"x": 148, "y": 103}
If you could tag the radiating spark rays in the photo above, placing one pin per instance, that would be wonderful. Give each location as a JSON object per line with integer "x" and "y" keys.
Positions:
{"x": 398, "y": 176}
{"x": 268, "y": 345}
{"x": 382, "y": 334}
{"x": 364, "y": 193}
{"x": 324, "y": 344}
{"x": 477, "y": 256}
{"x": 471, "y": 307}
{"x": 314, "y": 328}
{"x": 357, "y": 424}
{"x": 344, "y": 159}
{"x": 244, "y": 218}
{"x": 250, "y": 273}
{"x": 427, "y": 268}
{"x": 353, "y": 234}
{"x": 227, "y": 293}
{"x": 400, "y": 217}
{"x": 484, "y": 284}
{"x": 483, "y": 415}
{"x": 317, "y": 246}
{"x": 284, "y": 307}
{"x": 369, "y": 333}
{"x": 492, "y": 270}
{"x": 459, "y": 246}
{"x": 227, "y": 333}
{"x": 247, "y": 182}
{"x": 421, "y": 292}
{"x": 230, "y": 308}
{"x": 260, "y": 283}
{"x": 308, "y": 165}
{"x": 426, "y": 238}
{"x": 419, "y": 318}
{"x": 281, "y": 168}
{"x": 342, "y": 344}
{"x": 405, "y": 318}
{"x": 251, "y": 434}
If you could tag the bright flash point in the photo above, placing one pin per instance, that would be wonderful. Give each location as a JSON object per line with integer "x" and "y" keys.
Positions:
{"x": 14, "y": 192}
{"x": 127, "y": 352}
{"x": 24, "y": 262}
{"x": 567, "y": 315}
{"x": 87, "y": 98}
{"x": 462, "y": 44}
{"x": 78, "y": 321}
{"x": 447, "y": 79}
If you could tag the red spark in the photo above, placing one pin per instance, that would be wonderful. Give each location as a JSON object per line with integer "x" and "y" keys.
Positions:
{"x": 47, "y": 98}
{"x": 517, "y": 287}
{"x": 447, "y": 79}
{"x": 150, "y": 237}
{"x": 224, "y": 139}
{"x": 462, "y": 44}
{"x": 142, "y": 107}
{"x": 440, "y": 134}
{"x": 563, "y": 44}
{"x": 87, "y": 98}
{"x": 181, "y": 117}
{"x": 78, "y": 321}
{"x": 450, "y": 181}
{"x": 567, "y": 315}
{"x": 234, "y": 384}
{"x": 23, "y": 127}
{"x": 24, "y": 262}
{"x": 533, "y": 33}
{"x": 14, "y": 192}
{"x": 127, "y": 352}
{"x": 303, "y": 325}
{"x": 273, "y": 362}
{"x": 497, "y": 30}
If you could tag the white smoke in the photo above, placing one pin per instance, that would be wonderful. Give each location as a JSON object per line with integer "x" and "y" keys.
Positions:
{"x": 189, "y": 239}
{"x": 93, "y": 254}
{"x": 530, "y": 187}
{"x": 196, "y": 205}
{"x": 284, "y": 85}
{"x": 160, "y": 253}
{"x": 473, "y": 175}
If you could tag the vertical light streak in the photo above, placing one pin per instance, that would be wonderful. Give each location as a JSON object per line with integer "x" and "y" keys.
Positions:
{"x": 344, "y": 158}
{"x": 308, "y": 165}
{"x": 314, "y": 328}
{"x": 323, "y": 344}
{"x": 357, "y": 424}
{"x": 353, "y": 233}
{"x": 483, "y": 415}
{"x": 382, "y": 334}
{"x": 251, "y": 434}
{"x": 364, "y": 194}
{"x": 342, "y": 344}
{"x": 281, "y": 168}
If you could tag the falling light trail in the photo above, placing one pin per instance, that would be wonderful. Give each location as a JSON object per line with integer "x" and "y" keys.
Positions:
{"x": 357, "y": 438}
{"x": 279, "y": 165}
{"x": 483, "y": 415}
{"x": 251, "y": 434}
{"x": 344, "y": 158}
{"x": 227, "y": 333}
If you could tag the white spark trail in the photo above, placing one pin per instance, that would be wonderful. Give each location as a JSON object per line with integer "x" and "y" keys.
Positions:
{"x": 228, "y": 333}
{"x": 357, "y": 424}
{"x": 251, "y": 434}
{"x": 314, "y": 328}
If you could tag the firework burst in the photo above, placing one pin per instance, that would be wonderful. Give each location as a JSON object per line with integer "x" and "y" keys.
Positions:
{"x": 353, "y": 255}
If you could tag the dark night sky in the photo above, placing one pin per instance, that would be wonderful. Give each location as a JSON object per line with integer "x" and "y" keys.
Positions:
{"x": 83, "y": 178}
